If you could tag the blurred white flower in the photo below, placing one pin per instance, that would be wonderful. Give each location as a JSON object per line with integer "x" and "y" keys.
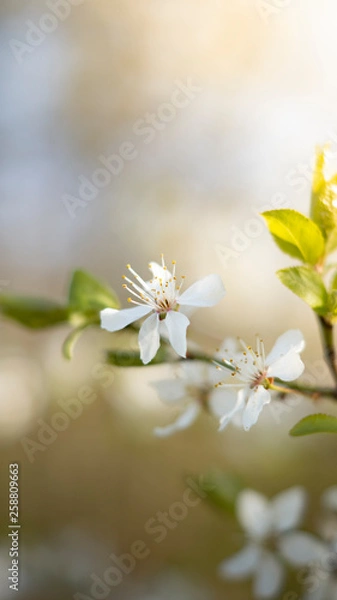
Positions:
{"x": 254, "y": 374}
{"x": 269, "y": 526}
{"x": 194, "y": 390}
{"x": 322, "y": 576}
{"x": 161, "y": 299}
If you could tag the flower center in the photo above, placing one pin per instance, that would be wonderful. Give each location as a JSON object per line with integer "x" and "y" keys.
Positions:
{"x": 160, "y": 293}
{"x": 249, "y": 366}
{"x": 259, "y": 379}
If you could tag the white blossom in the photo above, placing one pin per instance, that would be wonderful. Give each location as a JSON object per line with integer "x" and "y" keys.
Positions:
{"x": 163, "y": 303}
{"x": 253, "y": 374}
{"x": 272, "y": 539}
{"x": 192, "y": 391}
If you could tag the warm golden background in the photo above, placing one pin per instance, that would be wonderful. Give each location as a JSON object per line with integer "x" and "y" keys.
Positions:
{"x": 268, "y": 95}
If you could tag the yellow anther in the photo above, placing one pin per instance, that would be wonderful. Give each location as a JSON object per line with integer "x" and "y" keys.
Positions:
{"x": 174, "y": 262}
{"x": 129, "y": 299}
{"x": 124, "y": 285}
{"x": 128, "y": 266}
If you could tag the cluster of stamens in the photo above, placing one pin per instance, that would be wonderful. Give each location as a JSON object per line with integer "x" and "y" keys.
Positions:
{"x": 250, "y": 368}
{"x": 159, "y": 293}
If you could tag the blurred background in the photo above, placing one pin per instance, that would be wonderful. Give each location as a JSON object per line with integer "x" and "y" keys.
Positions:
{"x": 207, "y": 113}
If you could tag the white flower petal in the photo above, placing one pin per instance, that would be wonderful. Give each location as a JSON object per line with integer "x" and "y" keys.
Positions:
{"x": 258, "y": 398}
{"x": 228, "y": 349}
{"x": 177, "y": 324}
{"x": 301, "y": 548}
{"x": 205, "y": 292}
{"x": 269, "y": 577}
{"x": 114, "y": 320}
{"x": 214, "y": 374}
{"x": 237, "y": 420}
{"x": 288, "y": 368}
{"x": 188, "y": 311}
{"x": 170, "y": 390}
{"x": 235, "y": 404}
{"x": 159, "y": 272}
{"x": 254, "y": 514}
{"x": 222, "y": 401}
{"x": 184, "y": 420}
{"x": 194, "y": 372}
{"x": 242, "y": 564}
{"x": 290, "y": 340}
{"x": 148, "y": 338}
{"x": 329, "y": 498}
{"x": 288, "y": 508}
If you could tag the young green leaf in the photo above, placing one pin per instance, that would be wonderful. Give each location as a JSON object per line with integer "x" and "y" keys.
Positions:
{"x": 34, "y": 313}
{"x": 308, "y": 285}
{"x": 318, "y": 423}
{"x": 86, "y": 294}
{"x": 296, "y": 235}
{"x": 323, "y": 202}
{"x": 334, "y": 281}
{"x": 333, "y": 303}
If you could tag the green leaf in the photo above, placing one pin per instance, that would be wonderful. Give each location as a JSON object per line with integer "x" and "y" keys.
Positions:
{"x": 331, "y": 242}
{"x": 319, "y": 423}
{"x": 221, "y": 489}
{"x": 71, "y": 339}
{"x": 296, "y": 235}
{"x": 333, "y": 302}
{"x": 334, "y": 281}
{"x": 306, "y": 284}
{"x": 123, "y": 358}
{"x": 323, "y": 202}
{"x": 34, "y": 313}
{"x": 88, "y": 295}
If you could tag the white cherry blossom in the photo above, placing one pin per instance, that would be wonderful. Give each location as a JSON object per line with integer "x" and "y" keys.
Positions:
{"x": 163, "y": 303}
{"x": 269, "y": 526}
{"x": 253, "y": 375}
{"x": 192, "y": 391}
